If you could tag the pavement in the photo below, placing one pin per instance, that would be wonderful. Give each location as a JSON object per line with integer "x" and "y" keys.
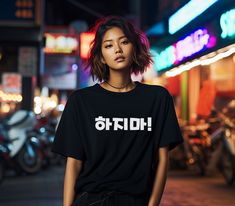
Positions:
{"x": 182, "y": 189}
{"x": 185, "y": 189}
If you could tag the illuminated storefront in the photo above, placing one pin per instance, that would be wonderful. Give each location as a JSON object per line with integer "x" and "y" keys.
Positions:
{"x": 201, "y": 59}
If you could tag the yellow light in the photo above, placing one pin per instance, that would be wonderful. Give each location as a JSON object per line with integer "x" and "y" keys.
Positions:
{"x": 234, "y": 58}
{"x": 54, "y": 97}
{"x": 218, "y": 57}
{"x": 20, "y": 98}
{"x": 5, "y": 108}
{"x": 37, "y": 110}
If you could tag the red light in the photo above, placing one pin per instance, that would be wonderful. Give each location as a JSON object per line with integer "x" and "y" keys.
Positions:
{"x": 85, "y": 40}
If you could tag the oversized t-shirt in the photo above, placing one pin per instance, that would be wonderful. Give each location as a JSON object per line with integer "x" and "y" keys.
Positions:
{"x": 116, "y": 135}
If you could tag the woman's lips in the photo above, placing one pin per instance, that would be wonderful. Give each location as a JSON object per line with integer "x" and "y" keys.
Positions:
{"x": 120, "y": 59}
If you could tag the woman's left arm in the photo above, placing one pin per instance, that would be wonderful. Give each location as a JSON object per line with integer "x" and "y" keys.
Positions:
{"x": 160, "y": 177}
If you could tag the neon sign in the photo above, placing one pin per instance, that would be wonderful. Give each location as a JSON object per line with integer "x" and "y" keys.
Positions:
{"x": 187, "y": 13}
{"x": 195, "y": 42}
{"x": 165, "y": 58}
{"x": 227, "y": 24}
{"x": 85, "y": 40}
{"x": 60, "y": 43}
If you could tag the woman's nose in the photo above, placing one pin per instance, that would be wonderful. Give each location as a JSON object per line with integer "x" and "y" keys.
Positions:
{"x": 118, "y": 49}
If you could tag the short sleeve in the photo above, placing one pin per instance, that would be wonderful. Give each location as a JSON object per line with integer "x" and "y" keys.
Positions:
{"x": 68, "y": 141}
{"x": 170, "y": 133}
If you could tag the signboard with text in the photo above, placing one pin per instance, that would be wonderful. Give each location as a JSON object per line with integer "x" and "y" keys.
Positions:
{"x": 198, "y": 41}
{"x": 20, "y": 12}
{"x": 211, "y": 36}
{"x": 61, "y": 44}
{"x": 27, "y": 61}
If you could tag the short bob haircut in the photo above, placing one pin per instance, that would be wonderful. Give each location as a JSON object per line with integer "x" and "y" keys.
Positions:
{"x": 141, "y": 55}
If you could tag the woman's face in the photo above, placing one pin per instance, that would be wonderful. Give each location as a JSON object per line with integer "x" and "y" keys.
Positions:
{"x": 116, "y": 49}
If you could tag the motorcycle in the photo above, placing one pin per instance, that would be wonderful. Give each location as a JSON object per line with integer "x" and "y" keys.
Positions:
{"x": 25, "y": 154}
{"x": 214, "y": 146}
{"x": 189, "y": 154}
{"x": 44, "y": 131}
{"x": 225, "y": 137}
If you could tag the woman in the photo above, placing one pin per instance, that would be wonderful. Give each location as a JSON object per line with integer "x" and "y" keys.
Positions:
{"x": 117, "y": 134}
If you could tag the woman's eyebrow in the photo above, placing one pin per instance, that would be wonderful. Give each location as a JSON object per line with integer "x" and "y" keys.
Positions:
{"x": 112, "y": 39}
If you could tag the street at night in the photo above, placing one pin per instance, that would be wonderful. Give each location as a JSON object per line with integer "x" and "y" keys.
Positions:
{"x": 182, "y": 189}
{"x": 117, "y": 85}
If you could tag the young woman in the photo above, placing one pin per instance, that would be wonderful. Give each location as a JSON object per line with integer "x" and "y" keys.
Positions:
{"x": 117, "y": 134}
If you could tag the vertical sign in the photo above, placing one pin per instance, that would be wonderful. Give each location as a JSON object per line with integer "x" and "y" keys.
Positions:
{"x": 27, "y": 61}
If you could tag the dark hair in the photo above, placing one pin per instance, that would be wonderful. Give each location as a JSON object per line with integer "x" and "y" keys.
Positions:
{"x": 141, "y": 56}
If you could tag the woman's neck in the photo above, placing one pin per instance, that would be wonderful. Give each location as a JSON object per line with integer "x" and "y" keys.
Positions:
{"x": 118, "y": 86}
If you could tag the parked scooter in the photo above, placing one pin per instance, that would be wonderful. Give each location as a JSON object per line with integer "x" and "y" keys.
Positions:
{"x": 189, "y": 154}
{"x": 214, "y": 145}
{"x": 24, "y": 152}
{"x": 44, "y": 131}
{"x": 223, "y": 144}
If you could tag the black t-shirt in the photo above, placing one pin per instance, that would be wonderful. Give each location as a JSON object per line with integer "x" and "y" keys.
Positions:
{"x": 116, "y": 134}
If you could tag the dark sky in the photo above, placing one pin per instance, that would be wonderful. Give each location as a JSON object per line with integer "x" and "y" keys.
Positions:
{"x": 62, "y": 12}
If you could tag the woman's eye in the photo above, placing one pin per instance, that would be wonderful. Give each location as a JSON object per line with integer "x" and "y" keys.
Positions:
{"x": 108, "y": 46}
{"x": 125, "y": 42}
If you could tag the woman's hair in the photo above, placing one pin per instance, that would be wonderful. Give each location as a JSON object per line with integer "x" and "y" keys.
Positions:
{"x": 141, "y": 55}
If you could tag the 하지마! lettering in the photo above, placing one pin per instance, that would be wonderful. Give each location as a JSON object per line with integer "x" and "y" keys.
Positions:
{"x": 117, "y": 123}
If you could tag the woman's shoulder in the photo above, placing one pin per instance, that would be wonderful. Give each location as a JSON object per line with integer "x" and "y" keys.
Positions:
{"x": 159, "y": 89}
{"x": 82, "y": 90}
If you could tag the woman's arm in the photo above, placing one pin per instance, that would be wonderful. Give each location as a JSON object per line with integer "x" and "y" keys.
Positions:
{"x": 160, "y": 177}
{"x": 72, "y": 171}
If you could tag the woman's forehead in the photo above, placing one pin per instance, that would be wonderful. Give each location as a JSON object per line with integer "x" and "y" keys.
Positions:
{"x": 113, "y": 33}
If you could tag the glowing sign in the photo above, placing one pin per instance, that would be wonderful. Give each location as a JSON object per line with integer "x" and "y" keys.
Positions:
{"x": 85, "y": 40}
{"x": 60, "y": 43}
{"x": 187, "y": 13}
{"x": 165, "y": 58}
{"x": 192, "y": 44}
{"x": 197, "y": 41}
{"x": 227, "y": 23}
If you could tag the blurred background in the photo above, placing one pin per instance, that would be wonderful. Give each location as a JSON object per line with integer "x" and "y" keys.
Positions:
{"x": 43, "y": 44}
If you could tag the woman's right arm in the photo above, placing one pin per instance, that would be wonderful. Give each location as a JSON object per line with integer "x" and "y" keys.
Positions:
{"x": 72, "y": 171}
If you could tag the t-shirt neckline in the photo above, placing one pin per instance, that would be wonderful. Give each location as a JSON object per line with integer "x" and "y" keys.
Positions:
{"x": 118, "y": 93}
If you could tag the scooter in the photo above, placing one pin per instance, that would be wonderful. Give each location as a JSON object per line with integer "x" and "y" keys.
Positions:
{"x": 224, "y": 139}
{"x": 214, "y": 146}
{"x": 189, "y": 154}
{"x": 25, "y": 153}
{"x": 44, "y": 131}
